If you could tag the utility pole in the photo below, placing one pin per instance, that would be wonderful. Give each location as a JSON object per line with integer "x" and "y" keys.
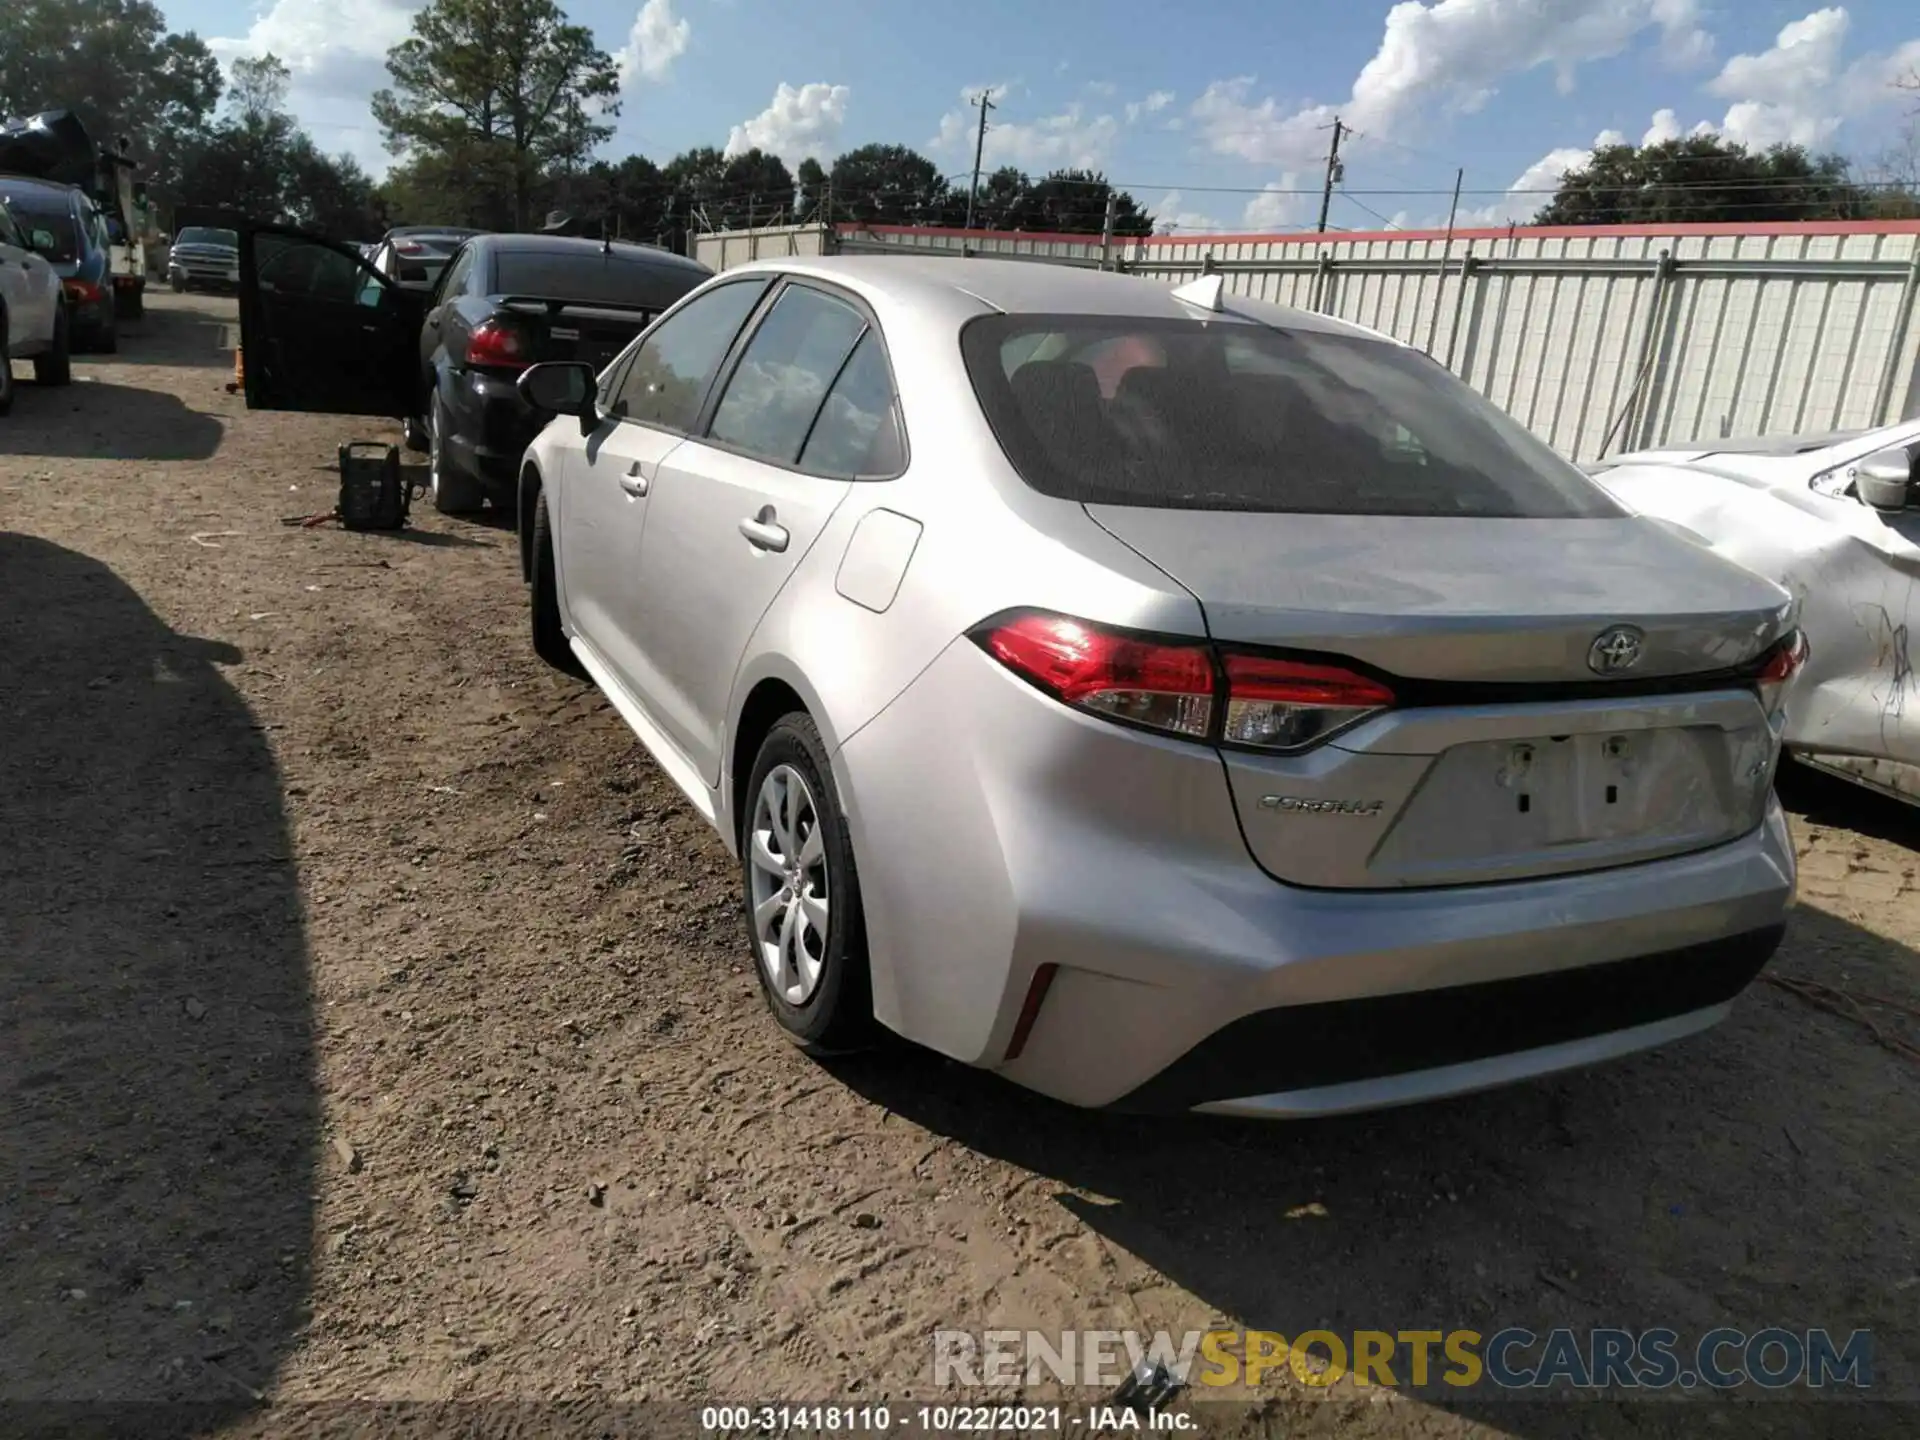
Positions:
{"x": 985, "y": 102}
{"x": 1334, "y": 170}
{"x": 1106, "y": 228}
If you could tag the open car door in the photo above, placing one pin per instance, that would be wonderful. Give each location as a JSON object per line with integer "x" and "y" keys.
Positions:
{"x": 321, "y": 331}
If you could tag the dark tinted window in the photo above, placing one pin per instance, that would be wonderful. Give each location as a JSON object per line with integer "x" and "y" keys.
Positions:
{"x": 34, "y": 210}
{"x": 858, "y": 431}
{"x": 453, "y": 278}
{"x": 783, "y": 375}
{"x": 1182, "y": 414}
{"x": 591, "y": 278}
{"x": 668, "y": 377}
{"x": 9, "y": 234}
{"x": 319, "y": 272}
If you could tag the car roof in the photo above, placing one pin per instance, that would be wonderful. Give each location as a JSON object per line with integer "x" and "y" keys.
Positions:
{"x": 1034, "y": 287}
{"x": 459, "y": 230}
{"x": 50, "y": 187}
{"x": 576, "y": 245}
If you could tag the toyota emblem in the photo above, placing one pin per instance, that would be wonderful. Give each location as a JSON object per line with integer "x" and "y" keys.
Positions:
{"x": 1614, "y": 650}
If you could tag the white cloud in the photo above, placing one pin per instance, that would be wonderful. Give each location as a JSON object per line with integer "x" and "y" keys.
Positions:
{"x": 1529, "y": 193}
{"x": 336, "y": 53}
{"x": 1274, "y": 208}
{"x": 657, "y": 39}
{"x": 1449, "y": 54}
{"x": 798, "y": 123}
{"x": 1153, "y": 104}
{"x": 1170, "y": 217}
{"x": 1102, "y": 89}
{"x": 1069, "y": 139}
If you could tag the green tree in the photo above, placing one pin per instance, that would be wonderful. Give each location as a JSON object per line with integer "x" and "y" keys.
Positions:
{"x": 810, "y": 191}
{"x": 756, "y": 189}
{"x": 889, "y": 185}
{"x": 116, "y": 65}
{"x": 497, "y": 81}
{"x": 257, "y": 161}
{"x": 1074, "y": 202}
{"x": 1704, "y": 178}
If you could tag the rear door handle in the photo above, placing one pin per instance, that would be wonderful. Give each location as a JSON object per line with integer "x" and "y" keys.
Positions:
{"x": 636, "y": 482}
{"x": 763, "y": 534}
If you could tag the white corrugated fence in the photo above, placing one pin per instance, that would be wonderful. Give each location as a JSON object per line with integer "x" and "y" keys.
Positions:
{"x": 1598, "y": 339}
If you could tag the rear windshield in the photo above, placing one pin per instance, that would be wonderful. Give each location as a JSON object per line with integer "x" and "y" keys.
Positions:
{"x": 36, "y": 210}
{"x": 204, "y": 235}
{"x": 591, "y": 278}
{"x": 1191, "y": 415}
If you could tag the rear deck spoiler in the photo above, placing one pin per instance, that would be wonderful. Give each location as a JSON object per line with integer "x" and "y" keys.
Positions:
{"x": 555, "y": 307}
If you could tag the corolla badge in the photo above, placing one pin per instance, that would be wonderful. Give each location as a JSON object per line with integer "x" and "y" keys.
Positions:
{"x": 1615, "y": 649}
{"x": 1300, "y": 805}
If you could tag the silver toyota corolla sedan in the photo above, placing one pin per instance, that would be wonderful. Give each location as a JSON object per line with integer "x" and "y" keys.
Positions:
{"x": 1166, "y": 700}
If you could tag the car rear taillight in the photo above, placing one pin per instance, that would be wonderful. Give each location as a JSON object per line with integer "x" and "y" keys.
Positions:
{"x": 1144, "y": 682}
{"x": 84, "y": 291}
{"x": 1281, "y": 704}
{"x": 499, "y": 345}
{"x": 1778, "y": 666}
{"x": 1185, "y": 688}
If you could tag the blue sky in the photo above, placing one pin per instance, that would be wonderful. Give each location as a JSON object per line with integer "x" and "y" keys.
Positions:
{"x": 1213, "y": 114}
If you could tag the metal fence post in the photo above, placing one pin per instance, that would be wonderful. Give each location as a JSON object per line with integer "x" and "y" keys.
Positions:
{"x": 1897, "y": 344}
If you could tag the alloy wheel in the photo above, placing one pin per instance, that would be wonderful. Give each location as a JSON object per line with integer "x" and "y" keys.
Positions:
{"x": 787, "y": 862}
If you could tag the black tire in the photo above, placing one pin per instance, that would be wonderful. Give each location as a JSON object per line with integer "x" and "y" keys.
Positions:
{"x": 6, "y": 367}
{"x": 837, "y": 1015}
{"x": 137, "y": 304}
{"x": 454, "y": 491}
{"x": 178, "y": 284}
{"x": 56, "y": 366}
{"x": 549, "y": 639}
{"x": 109, "y": 341}
{"x": 415, "y": 436}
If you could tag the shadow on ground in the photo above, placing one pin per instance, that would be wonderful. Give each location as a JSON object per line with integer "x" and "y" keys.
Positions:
{"x": 176, "y": 332}
{"x": 1823, "y": 799}
{"x": 158, "y": 1113}
{"x": 1759, "y": 1175}
{"x": 94, "y": 420}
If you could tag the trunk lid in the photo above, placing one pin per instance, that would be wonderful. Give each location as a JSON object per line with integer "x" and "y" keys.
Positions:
{"x": 564, "y": 331}
{"x": 1507, "y": 756}
{"x": 1456, "y": 599}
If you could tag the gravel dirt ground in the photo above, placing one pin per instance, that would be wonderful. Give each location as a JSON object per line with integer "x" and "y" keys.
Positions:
{"x": 375, "y": 1023}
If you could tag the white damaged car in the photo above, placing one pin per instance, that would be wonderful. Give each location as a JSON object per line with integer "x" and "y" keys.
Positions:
{"x": 1835, "y": 519}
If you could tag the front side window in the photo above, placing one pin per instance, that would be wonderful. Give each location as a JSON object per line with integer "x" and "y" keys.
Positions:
{"x": 47, "y": 221}
{"x": 775, "y": 392}
{"x": 667, "y": 380}
{"x": 289, "y": 265}
{"x": 1225, "y": 415}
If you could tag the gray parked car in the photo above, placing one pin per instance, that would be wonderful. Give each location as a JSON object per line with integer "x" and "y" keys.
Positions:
{"x": 1163, "y": 699}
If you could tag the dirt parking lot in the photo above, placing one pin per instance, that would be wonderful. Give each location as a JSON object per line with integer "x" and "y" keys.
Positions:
{"x": 375, "y": 1023}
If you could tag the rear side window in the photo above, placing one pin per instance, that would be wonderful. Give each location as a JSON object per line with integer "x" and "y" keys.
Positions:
{"x": 591, "y": 278}
{"x": 1191, "y": 415}
{"x": 783, "y": 375}
{"x": 858, "y": 431}
{"x": 51, "y": 217}
{"x": 667, "y": 380}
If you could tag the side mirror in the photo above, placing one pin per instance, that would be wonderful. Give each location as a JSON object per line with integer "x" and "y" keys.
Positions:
{"x": 1885, "y": 481}
{"x": 563, "y": 387}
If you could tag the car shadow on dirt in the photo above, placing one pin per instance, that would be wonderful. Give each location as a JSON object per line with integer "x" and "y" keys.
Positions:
{"x": 177, "y": 333}
{"x": 94, "y": 420}
{"x": 1751, "y": 1177}
{"x": 1822, "y": 799}
{"x": 158, "y": 1111}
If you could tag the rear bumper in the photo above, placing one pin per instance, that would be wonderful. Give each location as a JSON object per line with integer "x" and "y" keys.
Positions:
{"x": 1186, "y": 977}
{"x": 490, "y": 428}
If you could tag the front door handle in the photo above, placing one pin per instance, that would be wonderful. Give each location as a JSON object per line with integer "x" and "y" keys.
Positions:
{"x": 635, "y": 482}
{"x": 763, "y": 534}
